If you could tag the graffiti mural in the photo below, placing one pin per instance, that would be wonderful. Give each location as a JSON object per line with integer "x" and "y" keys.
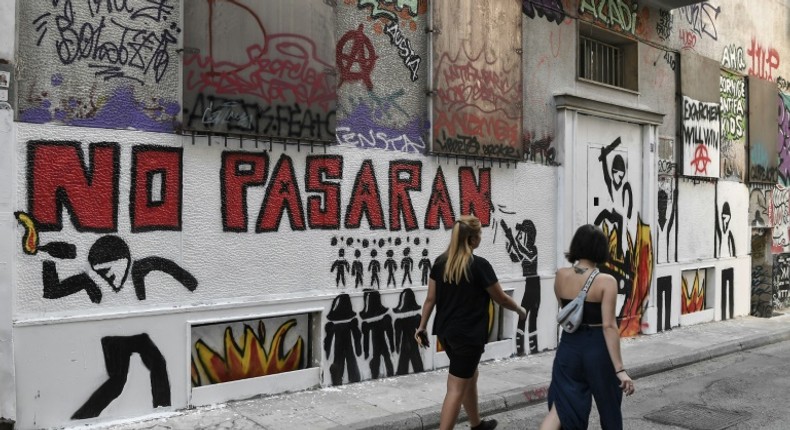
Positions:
{"x": 783, "y": 139}
{"x": 109, "y": 259}
{"x": 693, "y": 289}
{"x": 781, "y": 280}
{"x": 762, "y": 274}
{"x": 477, "y": 82}
{"x": 723, "y": 232}
{"x": 382, "y": 67}
{"x": 377, "y": 337}
{"x": 733, "y": 126}
{"x": 100, "y": 64}
{"x": 700, "y": 138}
{"x": 250, "y": 71}
{"x": 667, "y": 204}
{"x": 521, "y": 249}
{"x": 118, "y": 351}
{"x": 381, "y": 263}
{"x": 780, "y": 221}
{"x": 277, "y": 346}
{"x": 631, "y": 251}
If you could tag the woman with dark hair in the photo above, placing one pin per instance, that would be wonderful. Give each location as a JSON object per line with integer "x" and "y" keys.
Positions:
{"x": 588, "y": 362}
{"x": 460, "y": 287}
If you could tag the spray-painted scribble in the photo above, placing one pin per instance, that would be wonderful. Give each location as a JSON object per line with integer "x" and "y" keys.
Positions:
{"x": 701, "y": 17}
{"x": 765, "y": 61}
{"x": 783, "y": 139}
{"x": 552, "y": 10}
{"x": 92, "y": 64}
{"x": 664, "y": 24}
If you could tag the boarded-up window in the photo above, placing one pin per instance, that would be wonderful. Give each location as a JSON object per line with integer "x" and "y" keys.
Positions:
{"x": 477, "y": 78}
{"x": 260, "y": 68}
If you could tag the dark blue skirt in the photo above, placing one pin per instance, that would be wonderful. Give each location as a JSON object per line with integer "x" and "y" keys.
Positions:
{"x": 583, "y": 370}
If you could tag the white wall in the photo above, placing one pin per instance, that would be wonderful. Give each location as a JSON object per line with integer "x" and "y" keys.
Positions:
{"x": 7, "y": 203}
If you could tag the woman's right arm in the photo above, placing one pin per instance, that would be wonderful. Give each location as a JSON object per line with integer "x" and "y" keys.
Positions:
{"x": 611, "y": 332}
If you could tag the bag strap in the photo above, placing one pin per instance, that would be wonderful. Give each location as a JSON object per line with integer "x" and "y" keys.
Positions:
{"x": 590, "y": 281}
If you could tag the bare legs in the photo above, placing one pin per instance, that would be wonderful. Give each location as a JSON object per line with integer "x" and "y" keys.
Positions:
{"x": 552, "y": 420}
{"x": 460, "y": 391}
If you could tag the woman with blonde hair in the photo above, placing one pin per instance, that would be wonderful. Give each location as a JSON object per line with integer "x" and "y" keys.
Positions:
{"x": 460, "y": 287}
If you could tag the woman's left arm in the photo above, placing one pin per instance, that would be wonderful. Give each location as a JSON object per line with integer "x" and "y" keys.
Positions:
{"x": 504, "y": 300}
{"x": 427, "y": 307}
{"x": 611, "y": 332}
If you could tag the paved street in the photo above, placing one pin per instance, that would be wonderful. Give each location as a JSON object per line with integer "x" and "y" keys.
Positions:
{"x": 753, "y": 382}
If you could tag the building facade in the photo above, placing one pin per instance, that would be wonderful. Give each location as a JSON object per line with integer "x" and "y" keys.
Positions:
{"x": 208, "y": 200}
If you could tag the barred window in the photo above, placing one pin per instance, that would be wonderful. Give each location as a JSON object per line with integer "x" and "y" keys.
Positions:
{"x": 600, "y": 62}
{"x": 607, "y": 58}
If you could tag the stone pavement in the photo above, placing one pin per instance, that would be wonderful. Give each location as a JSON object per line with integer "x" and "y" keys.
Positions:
{"x": 414, "y": 401}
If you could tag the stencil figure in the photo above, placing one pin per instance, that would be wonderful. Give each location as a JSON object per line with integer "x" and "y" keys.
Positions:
{"x": 619, "y": 264}
{"x": 406, "y": 265}
{"x": 374, "y": 267}
{"x": 341, "y": 266}
{"x": 522, "y": 249}
{"x": 357, "y": 269}
{"x": 343, "y": 329}
{"x": 407, "y": 320}
{"x": 109, "y": 259}
{"x": 118, "y": 352}
{"x": 391, "y": 267}
{"x": 376, "y": 332}
{"x": 723, "y": 229}
{"x": 425, "y": 266}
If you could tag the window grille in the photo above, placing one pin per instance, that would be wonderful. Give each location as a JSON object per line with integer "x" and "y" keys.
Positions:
{"x": 600, "y": 62}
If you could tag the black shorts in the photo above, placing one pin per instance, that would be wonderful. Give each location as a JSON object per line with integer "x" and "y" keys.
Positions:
{"x": 463, "y": 358}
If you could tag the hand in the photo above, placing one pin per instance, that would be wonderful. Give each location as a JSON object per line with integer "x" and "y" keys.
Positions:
{"x": 522, "y": 313}
{"x": 626, "y": 384}
{"x": 419, "y": 335}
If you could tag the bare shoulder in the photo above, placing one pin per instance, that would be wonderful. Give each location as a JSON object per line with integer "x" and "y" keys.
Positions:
{"x": 563, "y": 272}
{"x": 606, "y": 280}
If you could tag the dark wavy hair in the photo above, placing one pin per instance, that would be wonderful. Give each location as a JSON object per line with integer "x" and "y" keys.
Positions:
{"x": 589, "y": 243}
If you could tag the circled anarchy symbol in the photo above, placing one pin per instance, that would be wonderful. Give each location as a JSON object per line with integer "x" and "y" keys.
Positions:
{"x": 701, "y": 159}
{"x": 355, "y": 63}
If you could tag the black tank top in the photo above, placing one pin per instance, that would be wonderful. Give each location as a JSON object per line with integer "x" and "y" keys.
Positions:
{"x": 592, "y": 312}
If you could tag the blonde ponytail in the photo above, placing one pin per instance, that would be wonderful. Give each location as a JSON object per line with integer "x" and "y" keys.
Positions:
{"x": 459, "y": 252}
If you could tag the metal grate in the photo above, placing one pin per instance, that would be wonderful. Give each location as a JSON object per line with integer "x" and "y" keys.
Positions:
{"x": 600, "y": 62}
{"x": 697, "y": 417}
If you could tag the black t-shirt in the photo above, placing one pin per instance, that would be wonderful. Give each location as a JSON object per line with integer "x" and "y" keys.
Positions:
{"x": 462, "y": 309}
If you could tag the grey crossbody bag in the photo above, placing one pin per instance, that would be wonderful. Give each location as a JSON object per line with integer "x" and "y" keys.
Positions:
{"x": 570, "y": 316}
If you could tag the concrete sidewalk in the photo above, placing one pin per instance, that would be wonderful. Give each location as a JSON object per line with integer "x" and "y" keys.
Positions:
{"x": 414, "y": 401}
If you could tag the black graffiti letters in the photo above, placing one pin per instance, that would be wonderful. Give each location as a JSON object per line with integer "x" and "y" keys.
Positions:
{"x": 117, "y": 40}
{"x": 222, "y": 114}
{"x": 699, "y": 111}
{"x": 460, "y": 144}
{"x": 702, "y": 17}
